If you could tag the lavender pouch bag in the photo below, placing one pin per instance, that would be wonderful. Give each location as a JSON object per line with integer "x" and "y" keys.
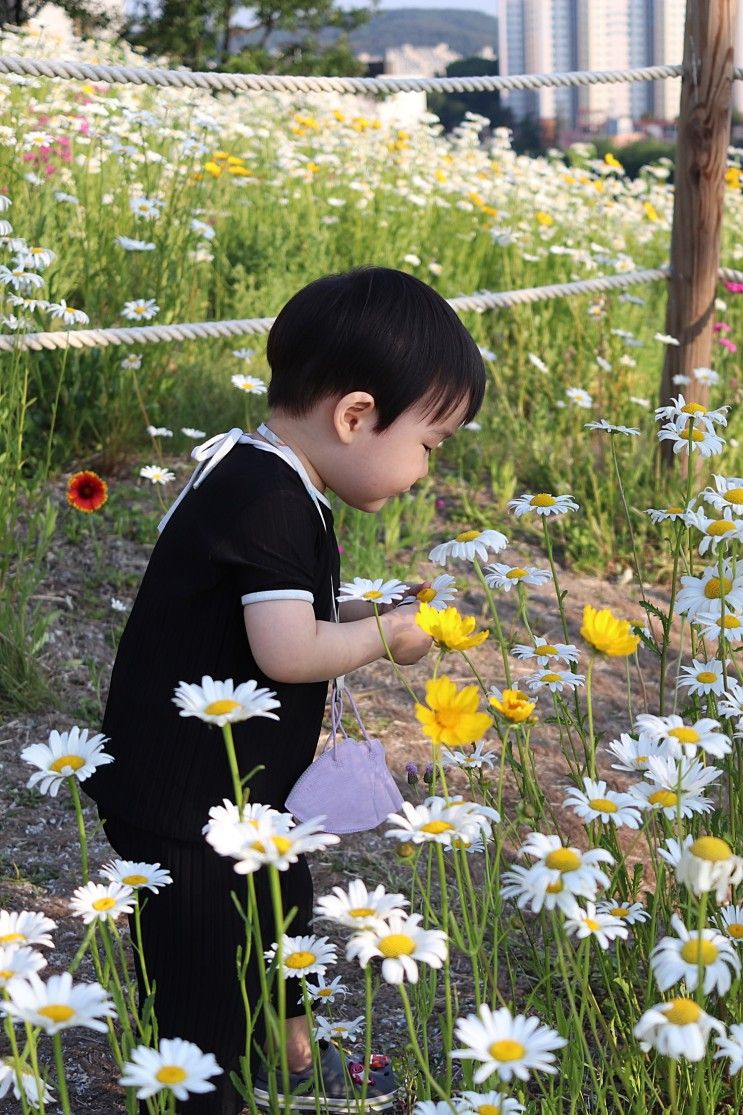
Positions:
{"x": 349, "y": 782}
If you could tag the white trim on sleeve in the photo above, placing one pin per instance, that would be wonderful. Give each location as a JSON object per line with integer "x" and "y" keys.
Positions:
{"x": 278, "y": 594}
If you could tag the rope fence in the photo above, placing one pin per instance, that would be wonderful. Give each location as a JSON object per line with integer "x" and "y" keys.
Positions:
{"x": 202, "y": 330}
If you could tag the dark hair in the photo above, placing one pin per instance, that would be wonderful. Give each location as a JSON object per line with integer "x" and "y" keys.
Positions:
{"x": 378, "y": 330}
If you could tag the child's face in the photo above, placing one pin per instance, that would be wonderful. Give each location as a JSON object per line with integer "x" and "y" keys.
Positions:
{"x": 377, "y": 466}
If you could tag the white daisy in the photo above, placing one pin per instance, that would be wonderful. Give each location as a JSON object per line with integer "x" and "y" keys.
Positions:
{"x": 663, "y": 514}
{"x": 440, "y": 591}
{"x": 27, "y": 927}
{"x": 58, "y": 1004}
{"x": 634, "y": 752}
{"x": 536, "y": 887}
{"x": 729, "y": 624}
{"x": 594, "y": 802}
{"x": 732, "y": 1047}
{"x": 715, "y": 531}
{"x": 19, "y": 279}
{"x": 469, "y": 545}
{"x": 69, "y": 315}
{"x": 304, "y": 955}
{"x": 220, "y": 702}
{"x": 95, "y": 901}
{"x": 324, "y": 992}
{"x": 130, "y": 245}
{"x": 679, "y": 1028}
{"x": 591, "y": 923}
{"x": 504, "y": 577}
{"x": 709, "y": 864}
{"x": 9, "y": 1077}
{"x": 131, "y": 362}
{"x": 702, "y": 678}
{"x": 731, "y": 917}
{"x": 376, "y": 591}
{"x": 401, "y": 942}
{"x": 666, "y": 339}
{"x": 684, "y": 739}
{"x": 252, "y": 385}
{"x": 506, "y": 1045}
{"x": 706, "y": 376}
{"x": 441, "y": 821}
{"x": 631, "y": 913}
{"x": 176, "y": 1065}
{"x": 137, "y": 875}
{"x": 727, "y": 494}
{"x": 278, "y": 841}
{"x": 67, "y": 754}
{"x": 338, "y": 1030}
{"x": 229, "y": 828}
{"x": 203, "y": 229}
{"x": 699, "y": 595}
{"x": 543, "y": 503}
{"x": 674, "y": 786}
{"x": 672, "y": 849}
{"x": 157, "y": 474}
{"x": 679, "y": 958}
{"x": 147, "y": 207}
{"x": 485, "y": 1103}
{"x": 159, "y": 431}
{"x": 140, "y": 309}
{"x": 554, "y": 680}
{"x": 357, "y": 906}
{"x": 5, "y": 203}
{"x": 610, "y": 428}
{"x": 118, "y": 605}
{"x": 36, "y": 258}
{"x": 475, "y": 759}
{"x": 537, "y": 362}
{"x": 189, "y": 431}
{"x": 679, "y": 413}
{"x": 16, "y": 962}
{"x": 731, "y": 704}
{"x": 244, "y": 353}
{"x": 580, "y": 872}
{"x": 543, "y": 651}
{"x": 702, "y": 440}
{"x": 580, "y": 397}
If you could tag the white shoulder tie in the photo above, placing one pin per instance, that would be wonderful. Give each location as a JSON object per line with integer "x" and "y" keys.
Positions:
{"x": 208, "y": 454}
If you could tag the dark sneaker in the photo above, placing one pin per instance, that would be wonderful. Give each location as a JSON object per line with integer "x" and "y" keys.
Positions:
{"x": 338, "y": 1094}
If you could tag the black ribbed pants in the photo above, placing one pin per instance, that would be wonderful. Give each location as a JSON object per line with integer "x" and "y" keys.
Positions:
{"x": 190, "y": 934}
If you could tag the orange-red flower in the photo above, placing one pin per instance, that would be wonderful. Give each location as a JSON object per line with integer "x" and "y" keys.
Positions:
{"x": 86, "y": 491}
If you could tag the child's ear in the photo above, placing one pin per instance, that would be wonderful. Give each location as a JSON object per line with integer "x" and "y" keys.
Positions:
{"x": 354, "y": 413}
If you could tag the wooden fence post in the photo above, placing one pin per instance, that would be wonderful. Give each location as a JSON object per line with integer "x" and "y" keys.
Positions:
{"x": 701, "y": 155}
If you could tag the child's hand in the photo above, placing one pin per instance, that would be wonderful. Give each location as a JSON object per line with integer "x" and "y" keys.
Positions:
{"x": 408, "y": 641}
{"x": 411, "y": 594}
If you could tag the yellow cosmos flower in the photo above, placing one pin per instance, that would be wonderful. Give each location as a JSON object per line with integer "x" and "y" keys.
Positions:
{"x": 450, "y": 716}
{"x": 612, "y": 161}
{"x": 449, "y": 629}
{"x": 514, "y": 705}
{"x": 608, "y": 634}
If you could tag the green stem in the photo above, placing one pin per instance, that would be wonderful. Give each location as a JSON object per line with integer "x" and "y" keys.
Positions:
{"x": 589, "y": 705}
{"x": 496, "y": 620}
{"x": 278, "y": 914}
{"x": 72, "y": 783}
{"x": 388, "y": 653}
{"x": 64, "y": 1098}
{"x": 422, "y": 1061}
{"x": 229, "y": 743}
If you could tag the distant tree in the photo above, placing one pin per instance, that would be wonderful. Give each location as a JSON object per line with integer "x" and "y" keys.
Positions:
{"x": 305, "y": 56}
{"x": 88, "y": 16}
{"x": 197, "y": 32}
{"x": 451, "y": 107}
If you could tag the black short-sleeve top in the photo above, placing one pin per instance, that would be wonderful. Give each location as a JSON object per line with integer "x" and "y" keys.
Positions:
{"x": 250, "y": 532}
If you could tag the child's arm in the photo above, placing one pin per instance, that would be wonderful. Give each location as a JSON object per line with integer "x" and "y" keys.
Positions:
{"x": 291, "y": 646}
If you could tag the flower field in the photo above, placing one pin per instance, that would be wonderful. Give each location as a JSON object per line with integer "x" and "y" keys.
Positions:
{"x": 552, "y": 920}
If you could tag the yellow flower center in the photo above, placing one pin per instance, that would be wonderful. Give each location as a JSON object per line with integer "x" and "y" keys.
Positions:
{"x": 674, "y": 511}
{"x": 707, "y": 677}
{"x": 9, "y": 938}
{"x": 641, "y": 759}
{"x": 696, "y": 951}
{"x": 171, "y": 1074}
{"x": 515, "y": 574}
{"x": 722, "y": 526}
{"x": 592, "y": 924}
{"x": 300, "y": 960}
{"x": 735, "y": 929}
{"x": 546, "y": 648}
{"x": 731, "y": 621}
{"x": 681, "y": 1012}
{"x": 106, "y": 903}
{"x": 563, "y": 859}
{"x": 467, "y": 536}
{"x": 488, "y": 1109}
{"x": 555, "y": 888}
{"x": 56, "y": 1012}
{"x": 714, "y": 589}
{"x": 281, "y": 844}
{"x": 360, "y": 912}
{"x": 397, "y": 944}
{"x": 426, "y": 595}
{"x": 6, "y": 973}
{"x": 734, "y": 495}
{"x": 506, "y": 1050}
{"x": 693, "y": 408}
{"x": 134, "y": 880}
{"x": 666, "y": 798}
{"x": 551, "y": 677}
{"x": 619, "y": 912}
{"x": 67, "y": 762}
{"x": 372, "y": 594}
{"x": 603, "y": 805}
{"x": 324, "y": 992}
{"x": 222, "y": 707}
{"x": 436, "y": 827}
{"x": 542, "y": 499}
{"x": 684, "y": 734}
{"x": 711, "y": 848}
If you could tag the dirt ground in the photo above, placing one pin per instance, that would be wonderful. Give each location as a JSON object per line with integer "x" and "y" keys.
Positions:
{"x": 39, "y": 850}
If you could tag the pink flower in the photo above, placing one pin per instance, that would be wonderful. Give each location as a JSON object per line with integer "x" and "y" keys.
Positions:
{"x": 729, "y": 345}
{"x": 721, "y": 327}
{"x": 734, "y": 288}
